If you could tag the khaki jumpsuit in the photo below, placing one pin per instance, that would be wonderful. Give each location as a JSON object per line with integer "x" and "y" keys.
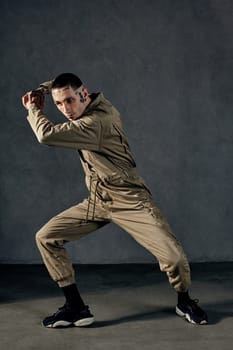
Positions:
{"x": 116, "y": 194}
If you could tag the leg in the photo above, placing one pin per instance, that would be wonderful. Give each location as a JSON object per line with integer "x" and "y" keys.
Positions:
{"x": 67, "y": 226}
{"x": 150, "y": 229}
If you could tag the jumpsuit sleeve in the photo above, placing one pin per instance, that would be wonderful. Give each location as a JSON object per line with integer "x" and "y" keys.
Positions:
{"x": 83, "y": 133}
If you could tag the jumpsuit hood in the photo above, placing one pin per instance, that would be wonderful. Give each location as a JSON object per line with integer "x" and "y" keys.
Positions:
{"x": 113, "y": 153}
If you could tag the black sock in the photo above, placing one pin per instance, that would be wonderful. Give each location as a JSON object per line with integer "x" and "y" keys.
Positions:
{"x": 73, "y": 298}
{"x": 183, "y": 297}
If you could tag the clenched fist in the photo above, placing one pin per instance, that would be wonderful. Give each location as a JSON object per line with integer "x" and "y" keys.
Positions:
{"x": 33, "y": 97}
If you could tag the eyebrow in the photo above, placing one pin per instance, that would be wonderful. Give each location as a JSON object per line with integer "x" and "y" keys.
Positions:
{"x": 66, "y": 88}
{"x": 65, "y": 99}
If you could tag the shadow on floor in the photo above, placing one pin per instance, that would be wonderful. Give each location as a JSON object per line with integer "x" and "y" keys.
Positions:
{"x": 25, "y": 283}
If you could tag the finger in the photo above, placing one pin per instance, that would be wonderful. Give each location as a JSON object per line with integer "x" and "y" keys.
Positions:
{"x": 29, "y": 96}
{"x": 25, "y": 100}
{"x": 37, "y": 98}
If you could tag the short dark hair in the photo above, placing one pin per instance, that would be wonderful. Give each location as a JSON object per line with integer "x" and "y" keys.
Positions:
{"x": 67, "y": 79}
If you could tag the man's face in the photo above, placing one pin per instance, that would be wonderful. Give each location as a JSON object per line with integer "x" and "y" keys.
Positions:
{"x": 68, "y": 101}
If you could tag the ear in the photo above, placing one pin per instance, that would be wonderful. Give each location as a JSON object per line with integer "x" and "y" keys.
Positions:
{"x": 85, "y": 92}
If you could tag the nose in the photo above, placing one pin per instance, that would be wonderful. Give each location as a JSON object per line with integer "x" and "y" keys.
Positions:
{"x": 66, "y": 107}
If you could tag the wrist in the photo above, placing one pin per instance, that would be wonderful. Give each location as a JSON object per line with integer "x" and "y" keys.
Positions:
{"x": 33, "y": 106}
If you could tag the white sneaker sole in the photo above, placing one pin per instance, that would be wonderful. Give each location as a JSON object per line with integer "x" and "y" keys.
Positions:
{"x": 84, "y": 322}
{"x": 80, "y": 323}
{"x": 187, "y": 317}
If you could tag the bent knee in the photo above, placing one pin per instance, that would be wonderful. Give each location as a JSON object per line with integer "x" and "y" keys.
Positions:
{"x": 42, "y": 235}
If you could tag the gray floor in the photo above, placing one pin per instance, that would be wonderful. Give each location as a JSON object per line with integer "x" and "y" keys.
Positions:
{"x": 133, "y": 307}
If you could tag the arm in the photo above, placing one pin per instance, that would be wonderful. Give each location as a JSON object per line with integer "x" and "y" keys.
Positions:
{"x": 83, "y": 133}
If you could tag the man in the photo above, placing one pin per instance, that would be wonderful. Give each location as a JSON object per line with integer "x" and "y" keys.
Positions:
{"x": 117, "y": 194}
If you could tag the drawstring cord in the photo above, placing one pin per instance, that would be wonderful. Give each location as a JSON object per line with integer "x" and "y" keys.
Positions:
{"x": 94, "y": 204}
{"x": 94, "y": 200}
{"x": 89, "y": 200}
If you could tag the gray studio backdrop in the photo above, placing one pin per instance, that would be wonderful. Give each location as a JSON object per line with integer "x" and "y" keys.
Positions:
{"x": 167, "y": 66}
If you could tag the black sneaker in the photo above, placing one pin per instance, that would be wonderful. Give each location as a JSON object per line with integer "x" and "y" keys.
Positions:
{"x": 192, "y": 312}
{"x": 66, "y": 316}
